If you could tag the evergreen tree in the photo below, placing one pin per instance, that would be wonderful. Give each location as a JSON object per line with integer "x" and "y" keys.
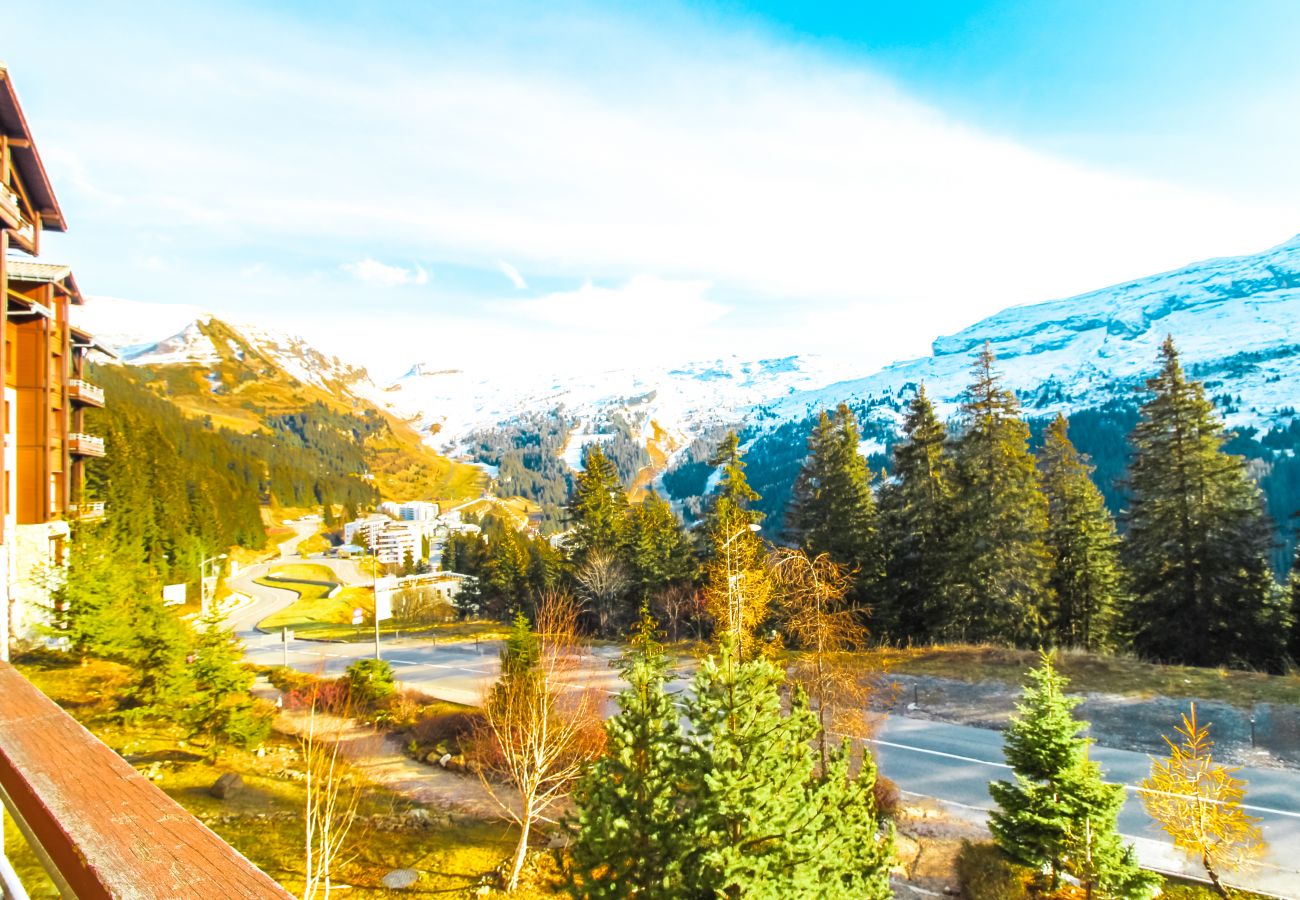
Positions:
{"x": 597, "y": 508}
{"x": 658, "y": 552}
{"x": 1059, "y": 816}
{"x": 1003, "y": 566}
{"x": 219, "y": 705}
{"x": 1294, "y": 589}
{"x": 1086, "y": 575}
{"x": 631, "y": 816}
{"x": 1198, "y": 539}
{"x": 764, "y": 824}
{"x": 738, "y": 587}
{"x": 833, "y": 510}
{"x": 917, "y": 522}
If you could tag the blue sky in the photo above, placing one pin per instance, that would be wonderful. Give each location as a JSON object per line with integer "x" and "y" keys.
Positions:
{"x": 580, "y": 185}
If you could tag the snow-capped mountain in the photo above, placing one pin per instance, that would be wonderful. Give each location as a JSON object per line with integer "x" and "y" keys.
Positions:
{"x": 667, "y": 404}
{"x": 148, "y": 334}
{"x": 1236, "y": 322}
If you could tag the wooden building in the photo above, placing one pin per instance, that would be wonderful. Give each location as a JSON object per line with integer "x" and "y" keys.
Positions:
{"x": 42, "y": 356}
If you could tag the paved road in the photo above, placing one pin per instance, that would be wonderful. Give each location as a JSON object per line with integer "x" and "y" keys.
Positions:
{"x": 932, "y": 759}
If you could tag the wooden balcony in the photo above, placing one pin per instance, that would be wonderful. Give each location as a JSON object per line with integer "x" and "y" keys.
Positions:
{"x": 100, "y": 828}
{"x": 85, "y": 393}
{"x": 10, "y": 213}
{"x": 85, "y": 444}
{"x": 86, "y": 512}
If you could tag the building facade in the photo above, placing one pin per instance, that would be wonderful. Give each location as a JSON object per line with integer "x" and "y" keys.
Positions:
{"x": 43, "y": 356}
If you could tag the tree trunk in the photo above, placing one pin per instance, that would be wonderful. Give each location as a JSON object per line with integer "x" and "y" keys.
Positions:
{"x": 521, "y": 851}
{"x": 1214, "y": 878}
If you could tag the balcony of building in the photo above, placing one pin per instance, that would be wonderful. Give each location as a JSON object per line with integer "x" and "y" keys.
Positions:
{"x": 80, "y": 444}
{"x": 100, "y": 828}
{"x": 85, "y": 393}
{"x": 86, "y": 511}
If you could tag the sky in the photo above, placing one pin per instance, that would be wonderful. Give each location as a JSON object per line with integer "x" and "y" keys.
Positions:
{"x": 565, "y": 185}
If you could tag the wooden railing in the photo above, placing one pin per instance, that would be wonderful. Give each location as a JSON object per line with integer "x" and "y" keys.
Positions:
{"x": 100, "y": 828}
{"x": 84, "y": 392}
{"x": 85, "y": 444}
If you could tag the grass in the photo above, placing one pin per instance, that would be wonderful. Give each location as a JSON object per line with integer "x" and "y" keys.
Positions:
{"x": 314, "y": 616}
{"x": 1092, "y": 672}
{"x": 263, "y": 822}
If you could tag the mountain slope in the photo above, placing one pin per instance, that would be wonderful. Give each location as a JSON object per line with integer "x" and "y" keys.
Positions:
{"x": 255, "y": 381}
{"x": 1236, "y": 321}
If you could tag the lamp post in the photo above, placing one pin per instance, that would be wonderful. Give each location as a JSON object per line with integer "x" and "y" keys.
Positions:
{"x": 204, "y": 591}
{"x": 734, "y": 600}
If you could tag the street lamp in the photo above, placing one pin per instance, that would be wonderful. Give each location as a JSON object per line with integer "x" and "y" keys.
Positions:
{"x": 734, "y": 601}
{"x": 204, "y": 590}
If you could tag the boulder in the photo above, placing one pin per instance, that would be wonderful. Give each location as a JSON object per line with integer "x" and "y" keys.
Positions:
{"x": 227, "y": 786}
{"x": 399, "y": 879}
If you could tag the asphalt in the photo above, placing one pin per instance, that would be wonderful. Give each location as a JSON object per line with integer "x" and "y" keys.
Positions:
{"x": 950, "y": 763}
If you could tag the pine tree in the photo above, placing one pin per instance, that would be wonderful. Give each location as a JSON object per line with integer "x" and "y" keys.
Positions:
{"x": 220, "y": 706}
{"x": 738, "y": 587}
{"x": 1198, "y": 539}
{"x": 1086, "y": 575}
{"x": 631, "y": 816}
{"x": 1003, "y": 568}
{"x": 764, "y": 824}
{"x": 833, "y": 510}
{"x": 1293, "y": 587}
{"x": 918, "y": 530}
{"x": 658, "y": 552}
{"x": 1059, "y": 816}
{"x": 597, "y": 508}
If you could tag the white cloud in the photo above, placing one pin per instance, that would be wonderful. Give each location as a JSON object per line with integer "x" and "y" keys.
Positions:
{"x": 513, "y": 274}
{"x": 644, "y": 307}
{"x": 372, "y": 271}
{"x": 797, "y": 185}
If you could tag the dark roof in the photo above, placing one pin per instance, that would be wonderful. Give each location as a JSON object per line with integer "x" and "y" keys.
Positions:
{"x": 28, "y": 162}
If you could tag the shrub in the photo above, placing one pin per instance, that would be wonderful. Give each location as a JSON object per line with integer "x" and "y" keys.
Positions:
{"x": 290, "y": 681}
{"x": 451, "y": 729}
{"x": 986, "y": 874}
{"x": 370, "y": 682}
{"x": 888, "y": 798}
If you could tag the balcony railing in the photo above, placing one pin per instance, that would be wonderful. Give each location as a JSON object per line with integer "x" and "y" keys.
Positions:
{"x": 85, "y": 444}
{"x": 100, "y": 828}
{"x": 9, "y": 204}
{"x": 86, "y": 512}
{"x": 84, "y": 392}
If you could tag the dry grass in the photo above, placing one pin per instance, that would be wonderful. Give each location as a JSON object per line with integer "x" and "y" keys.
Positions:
{"x": 1092, "y": 672}
{"x": 264, "y": 821}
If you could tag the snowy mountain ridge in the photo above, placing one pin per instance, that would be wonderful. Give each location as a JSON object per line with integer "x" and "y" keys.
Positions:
{"x": 1235, "y": 320}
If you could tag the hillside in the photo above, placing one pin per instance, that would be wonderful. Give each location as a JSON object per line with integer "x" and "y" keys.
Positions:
{"x": 1235, "y": 321}
{"x": 252, "y": 381}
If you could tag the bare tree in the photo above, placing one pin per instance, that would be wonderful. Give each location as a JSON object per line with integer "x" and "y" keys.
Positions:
{"x": 1198, "y": 803}
{"x": 333, "y": 785}
{"x": 831, "y": 664}
{"x": 541, "y": 726}
{"x": 602, "y": 579}
{"x": 677, "y": 605}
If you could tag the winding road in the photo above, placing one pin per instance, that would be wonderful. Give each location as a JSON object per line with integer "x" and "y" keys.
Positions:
{"x": 950, "y": 763}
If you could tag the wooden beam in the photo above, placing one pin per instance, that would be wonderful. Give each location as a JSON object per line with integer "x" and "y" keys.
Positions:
{"x": 104, "y": 829}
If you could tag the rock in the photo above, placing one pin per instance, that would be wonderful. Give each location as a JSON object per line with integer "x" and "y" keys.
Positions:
{"x": 400, "y": 878}
{"x": 444, "y": 759}
{"x": 419, "y": 818}
{"x": 227, "y": 786}
{"x": 433, "y": 758}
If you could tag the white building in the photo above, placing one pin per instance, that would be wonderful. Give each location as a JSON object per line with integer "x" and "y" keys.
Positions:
{"x": 393, "y": 542}
{"x": 410, "y": 510}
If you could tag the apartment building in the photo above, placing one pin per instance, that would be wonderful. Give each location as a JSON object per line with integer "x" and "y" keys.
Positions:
{"x": 43, "y": 357}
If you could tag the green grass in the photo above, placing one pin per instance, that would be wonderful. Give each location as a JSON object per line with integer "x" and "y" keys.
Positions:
{"x": 442, "y": 632}
{"x": 1090, "y": 672}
